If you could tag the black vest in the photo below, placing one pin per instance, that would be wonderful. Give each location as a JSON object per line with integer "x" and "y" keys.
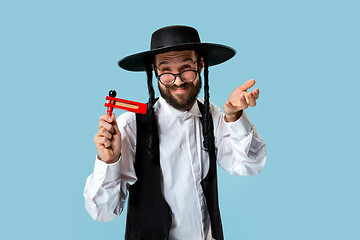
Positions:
{"x": 149, "y": 215}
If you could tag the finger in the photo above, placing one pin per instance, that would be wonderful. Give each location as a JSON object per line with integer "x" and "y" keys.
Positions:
{"x": 107, "y": 126}
{"x": 113, "y": 117}
{"x": 99, "y": 136}
{"x": 247, "y": 98}
{"x": 106, "y": 122}
{"x": 102, "y": 141}
{"x": 248, "y": 84}
{"x": 243, "y": 102}
{"x": 107, "y": 143}
{"x": 115, "y": 125}
{"x": 107, "y": 118}
{"x": 251, "y": 100}
{"x": 104, "y": 133}
{"x": 229, "y": 108}
{"x": 256, "y": 93}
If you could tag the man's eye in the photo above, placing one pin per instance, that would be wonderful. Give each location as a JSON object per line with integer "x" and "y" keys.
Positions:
{"x": 165, "y": 69}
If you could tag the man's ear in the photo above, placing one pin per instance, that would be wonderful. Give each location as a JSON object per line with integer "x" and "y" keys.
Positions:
{"x": 153, "y": 63}
{"x": 154, "y": 69}
{"x": 201, "y": 64}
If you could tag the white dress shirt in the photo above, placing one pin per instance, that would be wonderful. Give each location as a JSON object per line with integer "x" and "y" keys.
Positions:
{"x": 240, "y": 151}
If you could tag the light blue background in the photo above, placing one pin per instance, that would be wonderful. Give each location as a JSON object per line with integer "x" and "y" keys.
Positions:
{"x": 58, "y": 60}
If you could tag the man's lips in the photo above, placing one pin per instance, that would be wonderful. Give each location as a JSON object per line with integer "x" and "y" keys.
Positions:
{"x": 179, "y": 90}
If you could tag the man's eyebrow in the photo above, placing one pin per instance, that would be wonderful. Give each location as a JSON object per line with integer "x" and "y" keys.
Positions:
{"x": 188, "y": 59}
{"x": 163, "y": 62}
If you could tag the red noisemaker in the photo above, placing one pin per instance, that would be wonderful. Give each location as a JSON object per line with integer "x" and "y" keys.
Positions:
{"x": 127, "y": 105}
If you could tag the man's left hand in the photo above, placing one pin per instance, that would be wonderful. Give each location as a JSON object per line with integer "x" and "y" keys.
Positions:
{"x": 240, "y": 100}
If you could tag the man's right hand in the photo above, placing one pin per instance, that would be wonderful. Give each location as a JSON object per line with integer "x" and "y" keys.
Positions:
{"x": 108, "y": 139}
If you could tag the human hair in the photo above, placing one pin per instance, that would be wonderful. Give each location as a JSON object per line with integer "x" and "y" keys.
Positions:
{"x": 208, "y": 142}
{"x": 150, "y": 86}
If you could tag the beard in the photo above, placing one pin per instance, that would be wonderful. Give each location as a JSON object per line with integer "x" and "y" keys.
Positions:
{"x": 185, "y": 102}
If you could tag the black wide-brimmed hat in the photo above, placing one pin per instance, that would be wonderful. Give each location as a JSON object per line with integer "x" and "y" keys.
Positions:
{"x": 177, "y": 38}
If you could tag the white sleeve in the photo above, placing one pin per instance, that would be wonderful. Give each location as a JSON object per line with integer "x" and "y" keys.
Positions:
{"x": 106, "y": 188}
{"x": 102, "y": 192}
{"x": 240, "y": 149}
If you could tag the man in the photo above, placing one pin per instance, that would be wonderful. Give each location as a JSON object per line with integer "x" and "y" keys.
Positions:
{"x": 166, "y": 159}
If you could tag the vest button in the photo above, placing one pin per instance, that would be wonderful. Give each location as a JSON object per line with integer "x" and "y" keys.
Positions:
{"x": 170, "y": 212}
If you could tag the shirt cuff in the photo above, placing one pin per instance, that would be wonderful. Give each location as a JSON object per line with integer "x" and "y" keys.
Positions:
{"x": 107, "y": 172}
{"x": 241, "y": 127}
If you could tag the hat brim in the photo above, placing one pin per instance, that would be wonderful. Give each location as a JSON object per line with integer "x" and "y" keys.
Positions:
{"x": 215, "y": 53}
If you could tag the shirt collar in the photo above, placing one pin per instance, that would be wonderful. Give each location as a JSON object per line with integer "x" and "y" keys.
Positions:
{"x": 162, "y": 104}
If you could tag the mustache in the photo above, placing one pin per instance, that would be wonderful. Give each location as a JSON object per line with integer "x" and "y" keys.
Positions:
{"x": 183, "y": 85}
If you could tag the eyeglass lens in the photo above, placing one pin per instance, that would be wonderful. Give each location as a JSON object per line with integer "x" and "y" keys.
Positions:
{"x": 186, "y": 76}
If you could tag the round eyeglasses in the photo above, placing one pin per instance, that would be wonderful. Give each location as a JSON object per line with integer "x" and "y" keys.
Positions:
{"x": 186, "y": 76}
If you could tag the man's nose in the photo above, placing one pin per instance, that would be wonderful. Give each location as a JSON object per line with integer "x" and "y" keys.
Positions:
{"x": 178, "y": 81}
